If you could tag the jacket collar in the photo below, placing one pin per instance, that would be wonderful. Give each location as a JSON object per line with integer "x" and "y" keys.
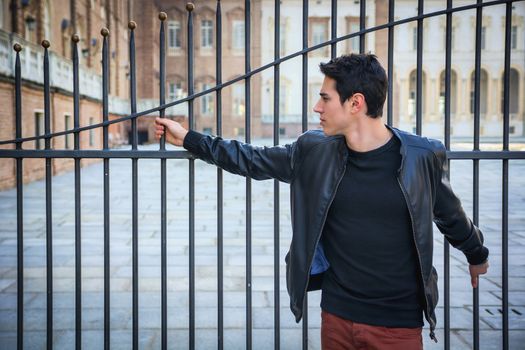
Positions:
{"x": 402, "y": 148}
{"x": 395, "y": 131}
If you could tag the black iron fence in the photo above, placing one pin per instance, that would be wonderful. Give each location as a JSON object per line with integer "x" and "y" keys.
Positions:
{"x": 19, "y": 153}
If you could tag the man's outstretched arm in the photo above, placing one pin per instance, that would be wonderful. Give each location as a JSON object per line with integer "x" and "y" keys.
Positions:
{"x": 260, "y": 163}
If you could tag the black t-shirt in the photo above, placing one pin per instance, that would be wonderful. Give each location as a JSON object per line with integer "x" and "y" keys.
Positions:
{"x": 374, "y": 270}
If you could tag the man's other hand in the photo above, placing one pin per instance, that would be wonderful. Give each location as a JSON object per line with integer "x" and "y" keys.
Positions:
{"x": 476, "y": 270}
{"x": 175, "y": 133}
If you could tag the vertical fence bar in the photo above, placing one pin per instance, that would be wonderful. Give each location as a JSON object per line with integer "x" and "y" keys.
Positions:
{"x": 134, "y": 188}
{"x": 505, "y": 179}
{"x": 419, "y": 70}
{"x": 19, "y": 205}
{"x": 446, "y": 245}
{"x": 390, "y": 101}
{"x": 49, "y": 213}
{"x": 220, "y": 192}
{"x": 247, "y": 128}
{"x": 105, "y": 145}
{"x": 163, "y": 188}
{"x": 78, "y": 240}
{"x": 276, "y": 193}
{"x": 333, "y": 46}
{"x": 362, "y": 25}
{"x": 304, "y": 128}
{"x": 305, "y": 68}
{"x": 475, "y": 169}
{"x": 190, "y": 7}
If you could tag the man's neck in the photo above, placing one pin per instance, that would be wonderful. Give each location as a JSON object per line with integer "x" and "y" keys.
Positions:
{"x": 366, "y": 134}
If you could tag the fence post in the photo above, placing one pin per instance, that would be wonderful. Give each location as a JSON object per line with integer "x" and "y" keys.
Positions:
{"x": 19, "y": 204}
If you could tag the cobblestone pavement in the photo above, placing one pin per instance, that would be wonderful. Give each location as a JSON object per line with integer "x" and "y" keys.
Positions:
{"x": 206, "y": 260}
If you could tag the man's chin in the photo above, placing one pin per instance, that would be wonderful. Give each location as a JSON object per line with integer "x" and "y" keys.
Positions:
{"x": 327, "y": 132}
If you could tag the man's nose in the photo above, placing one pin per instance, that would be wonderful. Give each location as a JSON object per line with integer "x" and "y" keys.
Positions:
{"x": 317, "y": 108}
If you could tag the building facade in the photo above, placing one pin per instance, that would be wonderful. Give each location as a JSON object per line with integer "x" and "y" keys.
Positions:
{"x": 404, "y": 72}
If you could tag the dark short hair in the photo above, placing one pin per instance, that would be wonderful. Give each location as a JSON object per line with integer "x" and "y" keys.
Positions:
{"x": 359, "y": 73}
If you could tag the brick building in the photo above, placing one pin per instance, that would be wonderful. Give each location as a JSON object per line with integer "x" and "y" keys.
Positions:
{"x": 204, "y": 34}
{"x": 30, "y": 22}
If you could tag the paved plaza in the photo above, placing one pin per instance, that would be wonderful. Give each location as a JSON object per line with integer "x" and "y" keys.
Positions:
{"x": 206, "y": 260}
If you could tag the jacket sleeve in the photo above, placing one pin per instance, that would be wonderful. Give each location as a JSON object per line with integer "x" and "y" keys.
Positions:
{"x": 260, "y": 163}
{"x": 451, "y": 219}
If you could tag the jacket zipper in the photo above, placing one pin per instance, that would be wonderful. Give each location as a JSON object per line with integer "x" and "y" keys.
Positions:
{"x": 432, "y": 325}
{"x": 321, "y": 231}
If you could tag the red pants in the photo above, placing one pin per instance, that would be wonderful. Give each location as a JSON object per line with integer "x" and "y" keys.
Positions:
{"x": 339, "y": 334}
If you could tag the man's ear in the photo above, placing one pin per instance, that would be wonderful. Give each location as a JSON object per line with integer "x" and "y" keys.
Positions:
{"x": 357, "y": 100}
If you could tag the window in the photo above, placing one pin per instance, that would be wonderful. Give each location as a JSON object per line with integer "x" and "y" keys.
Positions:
{"x": 238, "y": 34}
{"x": 174, "y": 35}
{"x": 483, "y": 37}
{"x": 412, "y": 94}
{"x": 206, "y": 33}
{"x": 354, "y": 42}
{"x": 353, "y": 26}
{"x": 30, "y": 28}
{"x": 453, "y": 93}
{"x": 514, "y": 80}
{"x": 174, "y": 91}
{"x": 207, "y": 101}
{"x": 39, "y": 129}
{"x": 206, "y": 131}
{"x": 238, "y": 99}
{"x": 282, "y": 131}
{"x": 483, "y": 90}
{"x": 67, "y": 126}
{"x": 514, "y": 37}
{"x": 91, "y": 132}
{"x": 318, "y": 33}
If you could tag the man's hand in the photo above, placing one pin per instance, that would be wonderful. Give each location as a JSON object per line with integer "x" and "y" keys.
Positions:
{"x": 476, "y": 270}
{"x": 175, "y": 133}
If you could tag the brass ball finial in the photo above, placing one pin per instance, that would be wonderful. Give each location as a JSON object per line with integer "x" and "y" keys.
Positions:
{"x": 190, "y": 6}
{"x": 132, "y": 25}
{"x": 163, "y": 16}
{"x": 46, "y": 44}
{"x": 104, "y": 31}
{"x": 17, "y": 47}
{"x": 75, "y": 38}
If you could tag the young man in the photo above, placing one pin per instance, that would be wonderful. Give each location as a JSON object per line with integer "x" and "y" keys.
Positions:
{"x": 363, "y": 199}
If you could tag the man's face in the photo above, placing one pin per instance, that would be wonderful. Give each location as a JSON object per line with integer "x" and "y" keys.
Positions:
{"x": 334, "y": 115}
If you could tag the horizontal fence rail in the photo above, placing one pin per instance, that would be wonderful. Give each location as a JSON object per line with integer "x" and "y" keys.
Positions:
{"x": 163, "y": 154}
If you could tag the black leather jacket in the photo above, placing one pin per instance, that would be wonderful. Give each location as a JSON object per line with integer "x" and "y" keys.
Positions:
{"x": 314, "y": 166}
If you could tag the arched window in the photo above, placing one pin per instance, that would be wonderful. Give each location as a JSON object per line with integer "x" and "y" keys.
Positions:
{"x": 453, "y": 93}
{"x": 483, "y": 86}
{"x": 412, "y": 93}
{"x": 514, "y": 90}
